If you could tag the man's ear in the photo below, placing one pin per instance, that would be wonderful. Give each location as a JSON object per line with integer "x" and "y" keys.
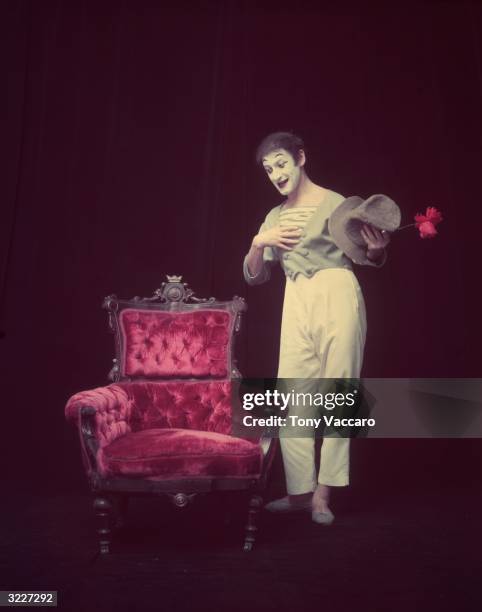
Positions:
{"x": 301, "y": 158}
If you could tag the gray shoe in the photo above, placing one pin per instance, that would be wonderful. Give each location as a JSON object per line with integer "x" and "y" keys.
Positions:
{"x": 285, "y": 505}
{"x": 322, "y": 518}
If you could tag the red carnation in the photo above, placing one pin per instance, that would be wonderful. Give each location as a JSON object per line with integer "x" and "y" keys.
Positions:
{"x": 426, "y": 223}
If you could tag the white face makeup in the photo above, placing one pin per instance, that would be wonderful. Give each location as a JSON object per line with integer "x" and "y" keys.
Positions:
{"x": 282, "y": 171}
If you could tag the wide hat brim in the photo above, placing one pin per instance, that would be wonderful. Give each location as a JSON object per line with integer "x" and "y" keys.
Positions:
{"x": 346, "y": 221}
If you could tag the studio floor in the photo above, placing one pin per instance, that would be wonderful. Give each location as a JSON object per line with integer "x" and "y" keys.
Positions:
{"x": 390, "y": 548}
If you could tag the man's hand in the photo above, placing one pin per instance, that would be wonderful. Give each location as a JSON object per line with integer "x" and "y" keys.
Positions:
{"x": 375, "y": 239}
{"x": 284, "y": 238}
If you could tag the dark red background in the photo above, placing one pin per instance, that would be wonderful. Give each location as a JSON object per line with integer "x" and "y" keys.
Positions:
{"x": 129, "y": 154}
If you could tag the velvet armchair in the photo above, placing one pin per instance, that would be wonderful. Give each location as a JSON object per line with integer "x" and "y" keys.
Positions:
{"x": 164, "y": 425}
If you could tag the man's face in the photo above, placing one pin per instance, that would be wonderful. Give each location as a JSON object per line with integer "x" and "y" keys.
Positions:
{"x": 282, "y": 171}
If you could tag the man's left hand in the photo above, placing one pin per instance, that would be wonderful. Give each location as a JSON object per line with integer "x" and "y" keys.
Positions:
{"x": 375, "y": 239}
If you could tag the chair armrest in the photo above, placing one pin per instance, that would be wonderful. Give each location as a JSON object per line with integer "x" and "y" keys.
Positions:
{"x": 110, "y": 407}
{"x": 101, "y": 415}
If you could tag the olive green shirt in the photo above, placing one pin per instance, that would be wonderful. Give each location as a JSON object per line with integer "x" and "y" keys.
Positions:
{"x": 315, "y": 251}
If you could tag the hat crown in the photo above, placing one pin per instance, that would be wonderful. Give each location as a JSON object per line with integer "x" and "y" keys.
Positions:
{"x": 378, "y": 210}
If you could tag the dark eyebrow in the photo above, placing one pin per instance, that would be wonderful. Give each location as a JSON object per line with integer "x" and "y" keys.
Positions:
{"x": 277, "y": 155}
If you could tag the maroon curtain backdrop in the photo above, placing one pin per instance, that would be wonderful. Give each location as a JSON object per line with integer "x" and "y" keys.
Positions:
{"x": 128, "y": 154}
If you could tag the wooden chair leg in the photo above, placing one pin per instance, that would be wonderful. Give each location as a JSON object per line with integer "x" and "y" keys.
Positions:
{"x": 103, "y": 509}
{"x": 255, "y": 504}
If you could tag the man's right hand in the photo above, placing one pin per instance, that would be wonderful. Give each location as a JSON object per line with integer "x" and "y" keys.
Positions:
{"x": 282, "y": 237}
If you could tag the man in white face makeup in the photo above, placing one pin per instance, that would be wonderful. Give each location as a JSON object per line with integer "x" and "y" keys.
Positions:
{"x": 324, "y": 321}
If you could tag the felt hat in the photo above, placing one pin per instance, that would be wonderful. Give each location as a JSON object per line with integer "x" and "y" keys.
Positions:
{"x": 348, "y": 218}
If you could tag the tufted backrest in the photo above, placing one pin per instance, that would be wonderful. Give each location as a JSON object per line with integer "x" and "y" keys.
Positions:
{"x": 200, "y": 405}
{"x": 166, "y": 344}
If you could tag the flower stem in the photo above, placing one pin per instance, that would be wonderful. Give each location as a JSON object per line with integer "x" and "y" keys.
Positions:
{"x": 404, "y": 226}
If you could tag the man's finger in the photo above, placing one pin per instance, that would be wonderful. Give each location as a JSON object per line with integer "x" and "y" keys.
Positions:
{"x": 365, "y": 235}
{"x": 370, "y": 231}
{"x": 289, "y": 240}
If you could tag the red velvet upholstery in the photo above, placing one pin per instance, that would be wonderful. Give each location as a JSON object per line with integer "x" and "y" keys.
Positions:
{"x": 113, "y": 411}
{"x": 179, "y": 453}
{"x": 188, "y": 405}
{"x": 167, "y": 430}
{"x": 112, "y": 416}
{"x": 166, "y": 344}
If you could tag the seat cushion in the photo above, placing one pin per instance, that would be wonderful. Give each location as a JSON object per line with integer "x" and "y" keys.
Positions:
{"x": 179, "y": 453}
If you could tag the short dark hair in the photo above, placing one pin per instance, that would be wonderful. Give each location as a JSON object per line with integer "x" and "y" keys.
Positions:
{"x": 280, "y": 140}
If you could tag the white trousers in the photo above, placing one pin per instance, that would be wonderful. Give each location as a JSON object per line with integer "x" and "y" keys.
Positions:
{"x": 322, "y": 336}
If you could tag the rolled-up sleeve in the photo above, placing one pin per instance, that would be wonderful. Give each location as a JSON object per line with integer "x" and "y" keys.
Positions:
{"x": 269, "y": 258}
{"x": 263, "y": 275}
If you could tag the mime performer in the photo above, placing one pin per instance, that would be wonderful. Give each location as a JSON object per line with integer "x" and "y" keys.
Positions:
{"x": 323, "y": 326}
